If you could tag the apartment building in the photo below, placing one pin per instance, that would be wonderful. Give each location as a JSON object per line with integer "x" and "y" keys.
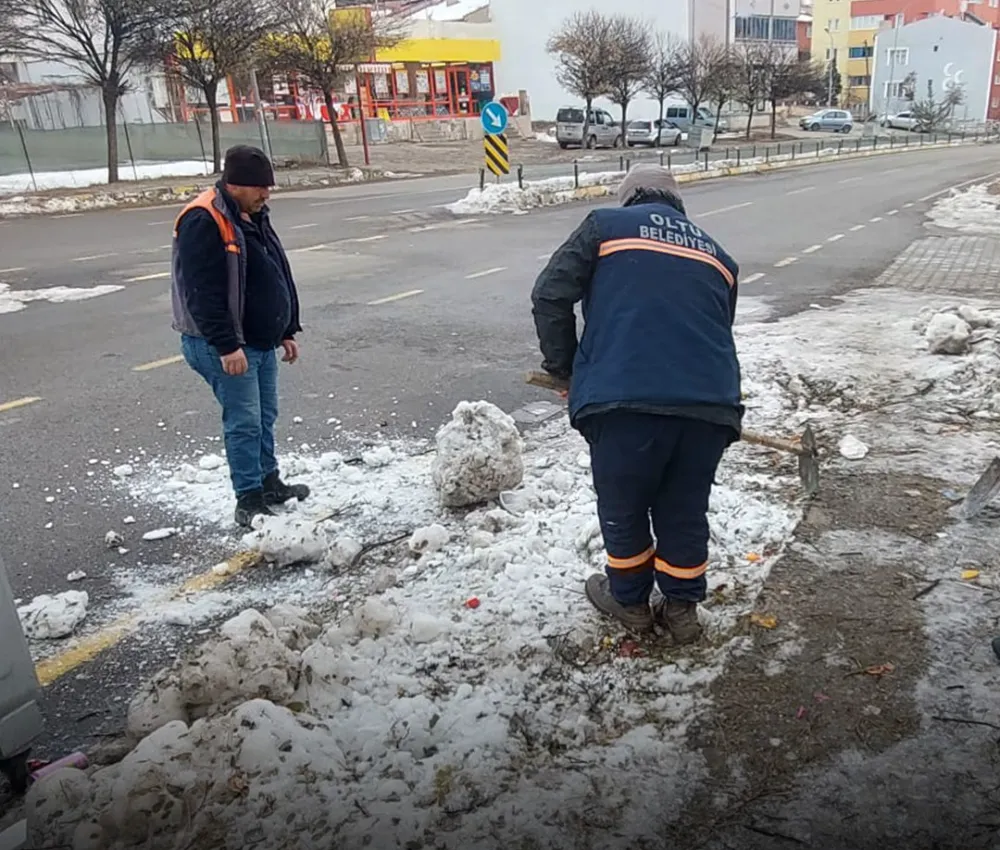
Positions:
{"x": 774, "y": 21}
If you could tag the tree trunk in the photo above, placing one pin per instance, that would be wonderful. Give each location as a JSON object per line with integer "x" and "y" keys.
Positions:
{"x": 586, "y": 122}
{"x": 750, "y": 107}
{"x": 718, "y": 118}
{"x": 625, "y": 104}
{"x": 338, "y": 139}
{"x": 109, "y": 96}
{"x": 774, "y": 117}
{"x": 212, "y": 99}
{"x": 660, "y": 125}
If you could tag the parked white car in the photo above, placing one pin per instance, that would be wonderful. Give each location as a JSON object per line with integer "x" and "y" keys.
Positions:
{"x": 602, "y": 130}
{"x": 646, "y": 133}
{"x": 902, "y": 121}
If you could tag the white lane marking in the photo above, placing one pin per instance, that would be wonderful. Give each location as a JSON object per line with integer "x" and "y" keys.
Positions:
{"x": 908, "y": 204}
{"x": 397, "y": 297}
{"x": 154, "y": 276}
{"x": 893, "y": 212}
{"x": 851, "y": 180}
{"x": 785, "y": 262}
{"x": 93, "y": 257}
{"x": 68, "y": 215}
{"x": 474, "y": 275}
{"x": 158, "y": 223}
{"x": 933, "y": 195}
{"x": 367, "y": 238}
{"x": 836, "y": 237}
{"x": 800, "y": 191}
{"x": 725, "y": 209}
{"x": 812, "y": 249}
{"x": 302, "y": 226}
{"x": 857, "y": 227}
{"x": 12, "y": 269}
{"x": 151, "y": 250}
{"x": 156, "y": 364}
{"x": 310, "y": 248}
{"x": 355, "y": 217}
{"x": 875, "y": 220}
{"x": 752, "y": 278}
{"x": 545, "y": 257}
{"x": 465, "y": 221}
{"x": 403, "y": 212}
{"x": 891, "y": 170}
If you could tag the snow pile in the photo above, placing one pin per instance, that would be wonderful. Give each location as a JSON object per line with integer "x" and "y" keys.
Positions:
{"x": 507, "y": 197}
{"x": 52, "y": 617}
{"x": 947, "y": 334}
{"x": 14, "y": 300}
{"x": 548, "y": 138}
{"x": 284, "y": 540}
{"x": 478, "y": 455}
{"x": 81, "y": 178}
{"x": 975, "y": 210}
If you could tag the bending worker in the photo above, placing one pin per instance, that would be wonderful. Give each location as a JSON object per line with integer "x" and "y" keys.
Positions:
{"x": 654, "y": 387}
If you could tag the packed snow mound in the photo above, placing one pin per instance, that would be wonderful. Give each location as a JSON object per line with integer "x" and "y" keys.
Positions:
{"x": 975, "y": 210}
{"x": 478, "y": 455}
{"x": 288, "y": 539}
{"x": 252, "y": 657}
{"x": 947, "y": 334}
{"x": 15, "y": 300}
{"x": 53, "y": 617}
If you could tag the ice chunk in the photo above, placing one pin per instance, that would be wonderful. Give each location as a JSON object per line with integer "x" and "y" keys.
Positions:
{"x": 429, "y": 539}
{"x": 947, "y": 334}
{"x": 159, "y": 534}
{"x": 123, "y": 471}
{"x": 344, "y": 552}
{"x": 377, "y": 458}
{"x": 479, "y": 455}
{"x": 52, "y": 617}
{"x": 284, "y": 540}
{"x": 974, "y": 317}
{"x": 852, "y": 448}
{"x": 425, "y": 628}
{"x": 210, "y": 462}
{"x": 113, "y": 540}
{"x": 76, "y": 575}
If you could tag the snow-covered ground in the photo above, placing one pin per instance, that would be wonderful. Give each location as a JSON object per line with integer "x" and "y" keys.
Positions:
{"x": 452, "y": 687}
{"x": 450, "y": 10}
{"x": 12, "y": 184}
{"x": 975, "y": 210}
{"x": 13, "y": 300}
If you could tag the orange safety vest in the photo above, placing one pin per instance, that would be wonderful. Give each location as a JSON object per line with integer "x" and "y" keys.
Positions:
{"x": 206, "y": 201}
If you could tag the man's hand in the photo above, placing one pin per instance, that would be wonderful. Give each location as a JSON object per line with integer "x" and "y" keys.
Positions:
{"x": 235, "y": 363}
{"x": 291, "y": 348}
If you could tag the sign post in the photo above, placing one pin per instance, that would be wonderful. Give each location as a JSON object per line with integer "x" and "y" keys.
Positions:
{"x": 495, "y": 118}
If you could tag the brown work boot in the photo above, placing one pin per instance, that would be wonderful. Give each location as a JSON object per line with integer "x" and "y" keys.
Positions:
{"x": 638, "y": 618}
{"x": 680, "y": 619}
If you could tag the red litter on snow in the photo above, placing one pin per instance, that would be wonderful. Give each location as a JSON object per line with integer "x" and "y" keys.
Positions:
{"x": 472, "y": 602}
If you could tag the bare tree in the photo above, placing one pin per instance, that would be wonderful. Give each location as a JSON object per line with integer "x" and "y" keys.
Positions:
{"x": 212, "y": 39}
{"x": 630, "y": 60}
{"x": 103, "y": 40}
{"x": 662, "y": 77}
{"x": 723, "y": 82}
{"x": 754, "y": 64}
{"x": 325, "y": 45}
{"x": 932, "y": 113}
{"x": 696, "y": 64}
{"x": 789, "y": 76}
{"x": 582, "y": 47}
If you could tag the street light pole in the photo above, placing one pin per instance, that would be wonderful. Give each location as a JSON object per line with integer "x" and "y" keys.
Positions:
{"x": 830, "y": 65}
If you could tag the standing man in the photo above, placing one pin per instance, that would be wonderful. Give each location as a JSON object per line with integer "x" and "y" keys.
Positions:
{"x": 234, "y": 303}
{"x": 654, "y": 387}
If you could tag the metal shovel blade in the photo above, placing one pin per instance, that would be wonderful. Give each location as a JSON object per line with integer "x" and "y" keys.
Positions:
{"x": 809, "y": 463}
{"x": 983, "y": 491}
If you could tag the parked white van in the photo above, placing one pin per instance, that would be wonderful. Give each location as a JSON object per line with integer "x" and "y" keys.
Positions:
{"x": 684, "y": 117}
{"x": 603, "y": 131}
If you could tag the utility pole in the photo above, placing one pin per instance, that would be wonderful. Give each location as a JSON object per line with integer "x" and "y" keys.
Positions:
{"x": 831, "y": 64}
{"x": 265, "y": 138}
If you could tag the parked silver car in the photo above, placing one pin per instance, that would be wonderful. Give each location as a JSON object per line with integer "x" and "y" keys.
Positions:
{"x": 603, "y": 131}
{"x": 902, "y": 121}
{"x": 832, "y": 120}
{"x": 646, "y": 133}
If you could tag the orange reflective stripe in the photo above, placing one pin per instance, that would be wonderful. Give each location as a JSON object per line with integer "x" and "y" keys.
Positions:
{"x": 204, "y": 201}
{"x": 615, "y": 246}
{"x": 681, "y": 572}
{"x": 629, "y": 563}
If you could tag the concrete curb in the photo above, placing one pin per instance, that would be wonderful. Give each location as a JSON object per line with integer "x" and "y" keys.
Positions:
{"x": 586, "y": 193}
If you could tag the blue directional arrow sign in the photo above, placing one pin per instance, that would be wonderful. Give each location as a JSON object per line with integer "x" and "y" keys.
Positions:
{"x": 495, "y": 118}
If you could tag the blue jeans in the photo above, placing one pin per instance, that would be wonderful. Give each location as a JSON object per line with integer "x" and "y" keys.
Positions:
{"x": 662, "y": 468}
{"x": 249, "y": 409}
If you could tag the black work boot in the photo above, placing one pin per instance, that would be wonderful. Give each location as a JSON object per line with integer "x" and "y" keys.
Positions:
{"x": 277, "y": 492}
{"x": 249, "y": 505}
{"x": 680, "y": 619}
{"x": 638, "y": 618}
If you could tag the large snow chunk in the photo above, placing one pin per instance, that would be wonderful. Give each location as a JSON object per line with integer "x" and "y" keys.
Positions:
{"x": 284, "y": 540}
{"x": 974, "y": 317}
{"x": 53, "y": 806}
{"x": 52, "y": 617}
{"x": 429, "y": 539}
{"x": 947, "y": 334}
{"x": 250, "y": 659}
{"x": 294, "y": 626}
{"x": 479, "y": 455}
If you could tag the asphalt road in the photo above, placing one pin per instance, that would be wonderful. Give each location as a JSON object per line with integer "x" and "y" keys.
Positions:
{"x": 407, "y": 310}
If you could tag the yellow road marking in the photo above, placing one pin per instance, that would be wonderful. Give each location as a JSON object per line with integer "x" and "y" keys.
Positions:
{"x": 155, "y": 276}
{"x": 19, "y": 402}
{"x": 51, "y": 669}
{"x": 398, "y": 297}
{"x": 156, "y": 364}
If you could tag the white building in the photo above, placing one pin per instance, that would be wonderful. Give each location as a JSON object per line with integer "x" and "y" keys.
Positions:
{"x": 524, "y": 26}
{"x": 775, "y": 21}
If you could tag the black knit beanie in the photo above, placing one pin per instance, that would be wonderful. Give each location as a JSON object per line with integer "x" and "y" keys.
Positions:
{"x": 247, "y": 166}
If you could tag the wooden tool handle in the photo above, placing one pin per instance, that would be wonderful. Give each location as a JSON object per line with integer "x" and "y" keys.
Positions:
{"x": 546, "y": 381}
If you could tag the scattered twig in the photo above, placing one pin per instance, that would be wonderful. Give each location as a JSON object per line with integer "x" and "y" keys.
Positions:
{"x": 925, "y": 590}
{"x": 964, "y": 721}
{"x": 770, "y": 834}
{"x": 360, "y": 807}
{"x": 368, "y": 548}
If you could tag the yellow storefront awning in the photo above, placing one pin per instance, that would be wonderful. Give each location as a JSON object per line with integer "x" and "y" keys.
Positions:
{"x": 430, "y": 50}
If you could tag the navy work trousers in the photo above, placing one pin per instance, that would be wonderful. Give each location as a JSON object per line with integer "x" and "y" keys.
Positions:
{"x": 648, "y": 466}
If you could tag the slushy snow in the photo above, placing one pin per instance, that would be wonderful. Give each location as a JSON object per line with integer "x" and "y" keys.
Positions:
{"x": 973, "y": 210}
{"x": 53, "y": 617}
{"x": 14, "y": 300}
{"x": 478, "y": 455}
{"x": 13, "y": 183}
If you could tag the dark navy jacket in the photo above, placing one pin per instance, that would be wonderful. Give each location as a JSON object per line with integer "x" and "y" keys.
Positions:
{"x": 659, "y": 300}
